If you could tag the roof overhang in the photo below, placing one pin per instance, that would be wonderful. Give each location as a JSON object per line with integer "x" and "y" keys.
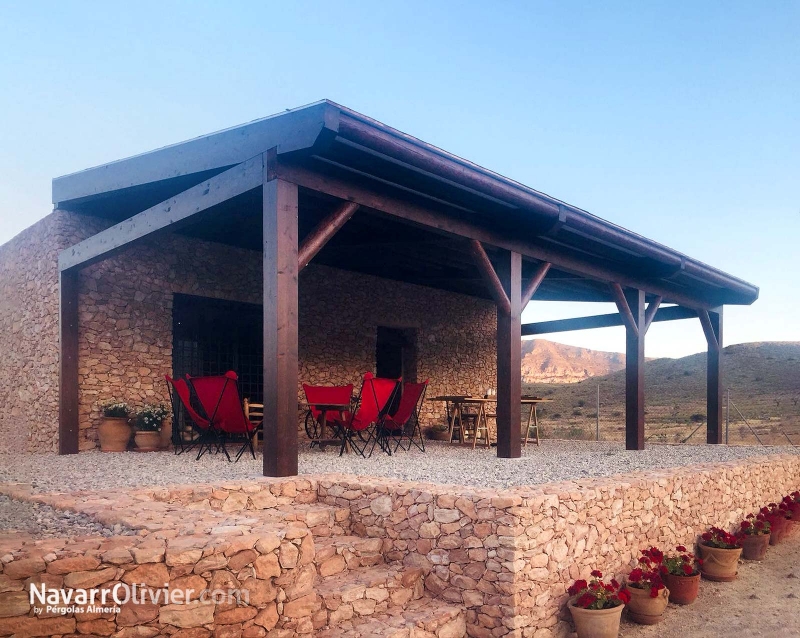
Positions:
{"x": 329, "y": 138}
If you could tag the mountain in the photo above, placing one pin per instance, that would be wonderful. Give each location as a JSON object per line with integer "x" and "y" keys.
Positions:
{"x": 547, "y": 362}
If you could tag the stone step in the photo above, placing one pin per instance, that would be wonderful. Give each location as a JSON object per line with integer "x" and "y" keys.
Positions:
{"x": 425, "y": 617}
{"x": 336, "y": 554}
{"x": 323, "y": 520}
{"x": 365, "y": 592}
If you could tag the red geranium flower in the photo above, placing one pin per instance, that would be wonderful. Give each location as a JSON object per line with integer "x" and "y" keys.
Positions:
{"x": 597, "y": 573}
{"x": 680, "y": 548}
{"x": 624, "y": 595}
{"x": 687, "y": 569}
{"x": 635, "y": 576}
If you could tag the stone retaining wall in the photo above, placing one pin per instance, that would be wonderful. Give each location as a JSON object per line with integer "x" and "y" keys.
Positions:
{"x": 505, "y": 555}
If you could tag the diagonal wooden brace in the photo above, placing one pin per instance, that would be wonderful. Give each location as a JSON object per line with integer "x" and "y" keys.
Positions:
{"x": 490, "y": 276}
{"x": 323, "y": 232}
{"x": 624, "y": 309}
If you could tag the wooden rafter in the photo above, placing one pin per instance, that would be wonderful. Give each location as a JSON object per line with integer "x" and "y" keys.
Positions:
{"x": 484, "y": 264}
{"x": 439, "y": 222}
{"x": 169, "y": 214}
{"x": 323, "y": 232}
{"x": 624, "y": 308}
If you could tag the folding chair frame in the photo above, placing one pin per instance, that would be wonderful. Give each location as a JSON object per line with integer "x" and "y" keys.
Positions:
{"x": 416, "y": 428}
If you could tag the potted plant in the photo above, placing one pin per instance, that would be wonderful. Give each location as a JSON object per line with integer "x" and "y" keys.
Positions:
{"x": 754, "y": 533}
{"x": 793, "y": 503}
{"x": 681, "y": 574}
{"x": 649, "y": 596}
{"x": 148, "y": 427}
{"x": 777, "y": 520}
{"x": 791, "y": 515}
{"x": 596, "y": 606}
{"x": 114, "y": 431}
{"x": 720, "y": 552}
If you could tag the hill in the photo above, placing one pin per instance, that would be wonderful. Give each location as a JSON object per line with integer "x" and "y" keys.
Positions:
{"x": 547, "y": 362}
{"x": 764, "y": 381}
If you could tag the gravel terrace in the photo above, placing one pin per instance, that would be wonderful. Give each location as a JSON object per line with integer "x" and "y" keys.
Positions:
{"x": 34, "y": 520}
{"x": 443, "y": 463}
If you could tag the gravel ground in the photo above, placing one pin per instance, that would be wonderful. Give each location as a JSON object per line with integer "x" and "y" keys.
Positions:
{"x": 42, "y": 521}
{"x": 443, "y": 463}
{"x": 763, "y": 601}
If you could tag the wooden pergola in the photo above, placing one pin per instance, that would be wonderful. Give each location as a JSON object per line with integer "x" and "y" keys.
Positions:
{"x": 323, "y": 182}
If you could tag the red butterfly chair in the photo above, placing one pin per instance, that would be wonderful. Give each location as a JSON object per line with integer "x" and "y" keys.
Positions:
{"x": 365, "y": 421}
{"x": 317, "y": 395}
{"x": 404, "y": 423}
{"x": 180, "y": 397}
{"x": 219, "y": 396}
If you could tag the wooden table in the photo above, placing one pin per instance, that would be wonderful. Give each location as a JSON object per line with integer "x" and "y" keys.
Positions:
{"x": 324, "y": 408}
{"x": 456, "y": 417}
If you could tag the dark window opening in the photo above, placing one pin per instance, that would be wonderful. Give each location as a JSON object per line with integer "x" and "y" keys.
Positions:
{"x": 212, "y": 336}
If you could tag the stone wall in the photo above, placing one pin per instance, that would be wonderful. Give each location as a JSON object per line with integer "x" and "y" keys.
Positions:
{"x": 509, "y": 555}
{"x": 29, "y": 333}
{"x": 125, "y": 325}
{"x": 505, "y": 556}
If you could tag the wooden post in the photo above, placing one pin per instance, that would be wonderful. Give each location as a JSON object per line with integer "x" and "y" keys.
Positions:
{"x": 280, "y": 326}
{"x": 509, "y": 354}
{"x": 634, "y": 371}
{"x": 68, "y": 363}
{"x": 714, "y": 379}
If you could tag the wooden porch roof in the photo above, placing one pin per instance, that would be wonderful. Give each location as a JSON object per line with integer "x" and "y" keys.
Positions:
{"x": 418, "y": 207}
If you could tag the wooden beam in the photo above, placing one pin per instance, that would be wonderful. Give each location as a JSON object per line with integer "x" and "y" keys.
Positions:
{"x": 708, "y": 329}
{"x": 534, "y": 283}
{"x": 634, "y": 372}
{"x": 624, "y": 309}
{"x": 450, "y": 225}
{"x": 323, "y": 232}
{"x": 650, "y": 313}
{"x": 68, "y": 429}
{"x": 168, "y": 215}
{"x": 281, "y": 269}
{"x": 490, "y": 277}
{"x": 509, "y": 355}
{"x": 714, "y": 434}
{"x": 669, "y": 313}
{"x": 288, "y": 131}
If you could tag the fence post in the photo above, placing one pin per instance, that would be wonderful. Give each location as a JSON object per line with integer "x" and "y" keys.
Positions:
{"x": 597, "y": 424}
{"x": 727, "y": 414}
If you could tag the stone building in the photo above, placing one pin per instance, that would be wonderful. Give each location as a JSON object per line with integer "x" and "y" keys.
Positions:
{"x": 127, "y": 339}
{"x": 195, "y": 258}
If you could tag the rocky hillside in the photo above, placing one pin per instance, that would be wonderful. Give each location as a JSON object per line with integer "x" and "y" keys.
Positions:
{"x": 547, "y": 362}
{"x": 764, "y": 382}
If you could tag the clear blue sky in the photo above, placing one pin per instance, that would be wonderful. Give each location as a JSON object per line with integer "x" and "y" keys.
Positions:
{"x": 678, "y": 120}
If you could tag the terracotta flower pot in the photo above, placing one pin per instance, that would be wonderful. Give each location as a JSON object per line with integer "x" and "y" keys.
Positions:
{"x": 792, "y": 527}
{"x": 778, "y": 529}
{"x": 720, "y": 564}
{"x": 683, "y": 590}
{"x": 645, "y": 609}
{"x": 114, "y": 434}
{"x": 596, "y": 623}
{"x": 794, "y": 508}
{"x": 147, "y": 440}
{"x": 754, "y": 547}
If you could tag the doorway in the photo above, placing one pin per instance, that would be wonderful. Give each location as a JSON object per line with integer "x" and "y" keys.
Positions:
{"x": 396, "y": 353}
